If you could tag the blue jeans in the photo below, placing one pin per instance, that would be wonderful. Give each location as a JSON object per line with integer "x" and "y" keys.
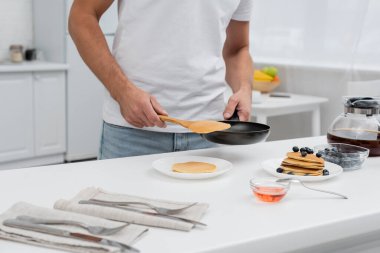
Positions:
{"x": 120, "y": 141}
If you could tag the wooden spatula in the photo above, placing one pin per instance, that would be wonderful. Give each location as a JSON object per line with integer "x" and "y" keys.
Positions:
{"x": 199, "y": 127}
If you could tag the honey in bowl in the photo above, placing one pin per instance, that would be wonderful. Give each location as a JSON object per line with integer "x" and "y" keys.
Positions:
{"x": 268, "y": 190}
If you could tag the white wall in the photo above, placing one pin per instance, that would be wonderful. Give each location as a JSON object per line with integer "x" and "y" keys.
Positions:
{"x": 337, "y": 31}
{"x": 319, "y": 46}
{"x": 16, "y": 25}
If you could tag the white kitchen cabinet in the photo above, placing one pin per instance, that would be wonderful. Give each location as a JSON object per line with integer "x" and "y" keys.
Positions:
{"x": 49, "y": 108}
{"x": 32, "y": 114}
{"x": 16, "y": 117}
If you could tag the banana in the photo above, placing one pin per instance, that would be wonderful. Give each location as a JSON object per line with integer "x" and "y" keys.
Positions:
{"x": 261, "y": 76}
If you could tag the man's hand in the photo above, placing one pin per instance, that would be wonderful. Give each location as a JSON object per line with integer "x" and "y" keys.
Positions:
{"x": 242, "y": 102}
{"x": 140, "y": 109}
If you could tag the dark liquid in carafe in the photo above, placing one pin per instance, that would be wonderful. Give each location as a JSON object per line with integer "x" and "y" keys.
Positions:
{"x": 373, "y": 146}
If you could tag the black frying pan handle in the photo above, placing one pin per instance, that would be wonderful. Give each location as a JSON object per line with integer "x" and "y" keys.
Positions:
{"x": 235, "y": 116}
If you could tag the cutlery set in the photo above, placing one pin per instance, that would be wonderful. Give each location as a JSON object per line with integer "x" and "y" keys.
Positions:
{"x": 127, "y": 207}
{"x": 36, "y": 227}
{"x": 160, "y": 210}
{"x": 41, "y": 225}
{"x": 95, "y": 230}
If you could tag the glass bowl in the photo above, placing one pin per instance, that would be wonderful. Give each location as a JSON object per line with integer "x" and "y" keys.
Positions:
{"x": 268, "y": 190}
{"x": 349, "y": 157}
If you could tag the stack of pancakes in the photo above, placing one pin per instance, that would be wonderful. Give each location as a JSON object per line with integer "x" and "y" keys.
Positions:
{"x": 296, "y": 164}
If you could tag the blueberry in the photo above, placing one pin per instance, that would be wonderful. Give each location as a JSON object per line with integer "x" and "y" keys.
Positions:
{"x": 309, "y": 151}
{"x": 296, "y": 149}
{"x": 326, "y": 172}
{"x": 335, "y": 160}
{"x": 319, "y": 154}
{"x": 280, "y": 170}
{"x": 304, "y": 153}
{"x": 303, "y": 150}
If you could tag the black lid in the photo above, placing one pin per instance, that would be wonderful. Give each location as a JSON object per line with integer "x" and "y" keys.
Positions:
{"x": 362, "y": 103}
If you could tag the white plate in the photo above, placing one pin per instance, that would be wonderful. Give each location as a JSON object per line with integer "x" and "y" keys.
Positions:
{"x": 164, "y": 166}
{"x": 271, "y": 166}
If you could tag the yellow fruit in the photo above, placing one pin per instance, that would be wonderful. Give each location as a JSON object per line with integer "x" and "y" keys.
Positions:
{"x": 261, "y": 76}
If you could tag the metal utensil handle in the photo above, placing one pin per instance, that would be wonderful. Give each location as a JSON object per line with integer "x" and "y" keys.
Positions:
{"x": 92, "y": 202}
{"x": 15, "y": 223}
{"x": 126, "y": 248}
{"x": 125, "y": 203}
{"x": 50, "y": 221}
{"x": 290, "y": 180}
{"x": 329, "y": 192}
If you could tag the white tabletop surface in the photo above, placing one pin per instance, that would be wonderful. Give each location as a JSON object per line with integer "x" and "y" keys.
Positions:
{"x": 26, "y": 66}
{"x": 237, "y": 222}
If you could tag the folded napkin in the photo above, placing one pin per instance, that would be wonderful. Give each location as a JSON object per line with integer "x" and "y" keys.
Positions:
{"x": 127, "y": 235}
{"x": 194, "y": 213}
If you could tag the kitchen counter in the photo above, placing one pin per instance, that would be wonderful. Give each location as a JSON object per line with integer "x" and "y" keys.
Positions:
{"x": 304, "y": 221}
{"x": 7, "y": 67}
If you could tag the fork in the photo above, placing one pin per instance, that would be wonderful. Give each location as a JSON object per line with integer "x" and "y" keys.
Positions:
{"x": 160, "y": 210}
{"x": 95, "y": 230}
{"x": 290, "y": 180}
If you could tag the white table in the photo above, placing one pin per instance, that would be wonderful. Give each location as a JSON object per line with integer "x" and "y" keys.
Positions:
{"x": 304, "y": 221}
{"x": 276, "y": 106}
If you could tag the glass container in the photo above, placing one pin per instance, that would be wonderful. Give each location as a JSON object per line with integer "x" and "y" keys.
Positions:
{"x": 16, "y": 53}
{"x": 358, "y": 125}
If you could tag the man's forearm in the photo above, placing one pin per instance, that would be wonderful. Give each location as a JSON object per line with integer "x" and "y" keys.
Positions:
{"x": 93, "y": 48}
{"x": 239, "y": 73}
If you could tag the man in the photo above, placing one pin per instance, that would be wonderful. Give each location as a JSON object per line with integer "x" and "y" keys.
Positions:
{"x": 169, "y": 57}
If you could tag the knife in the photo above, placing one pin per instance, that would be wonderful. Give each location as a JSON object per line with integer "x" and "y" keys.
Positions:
{"x": 99, "y": 203}
{"x": 15, "y": 223}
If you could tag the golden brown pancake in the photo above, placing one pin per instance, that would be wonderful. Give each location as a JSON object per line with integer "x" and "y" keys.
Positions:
{"x": 194, "y": 167}
{"x": 302, "y": 164}
{"x": 311, "y": 158}
{"x": 301, "y": 172}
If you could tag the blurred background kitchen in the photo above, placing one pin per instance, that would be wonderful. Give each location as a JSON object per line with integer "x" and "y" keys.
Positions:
{"x": 51, "y": 104}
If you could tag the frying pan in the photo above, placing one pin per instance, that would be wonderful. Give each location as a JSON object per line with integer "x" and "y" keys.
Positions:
{"x": 240, "y": 133}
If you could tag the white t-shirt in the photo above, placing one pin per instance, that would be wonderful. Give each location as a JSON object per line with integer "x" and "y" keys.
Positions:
{"x": 172, "y": 49}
